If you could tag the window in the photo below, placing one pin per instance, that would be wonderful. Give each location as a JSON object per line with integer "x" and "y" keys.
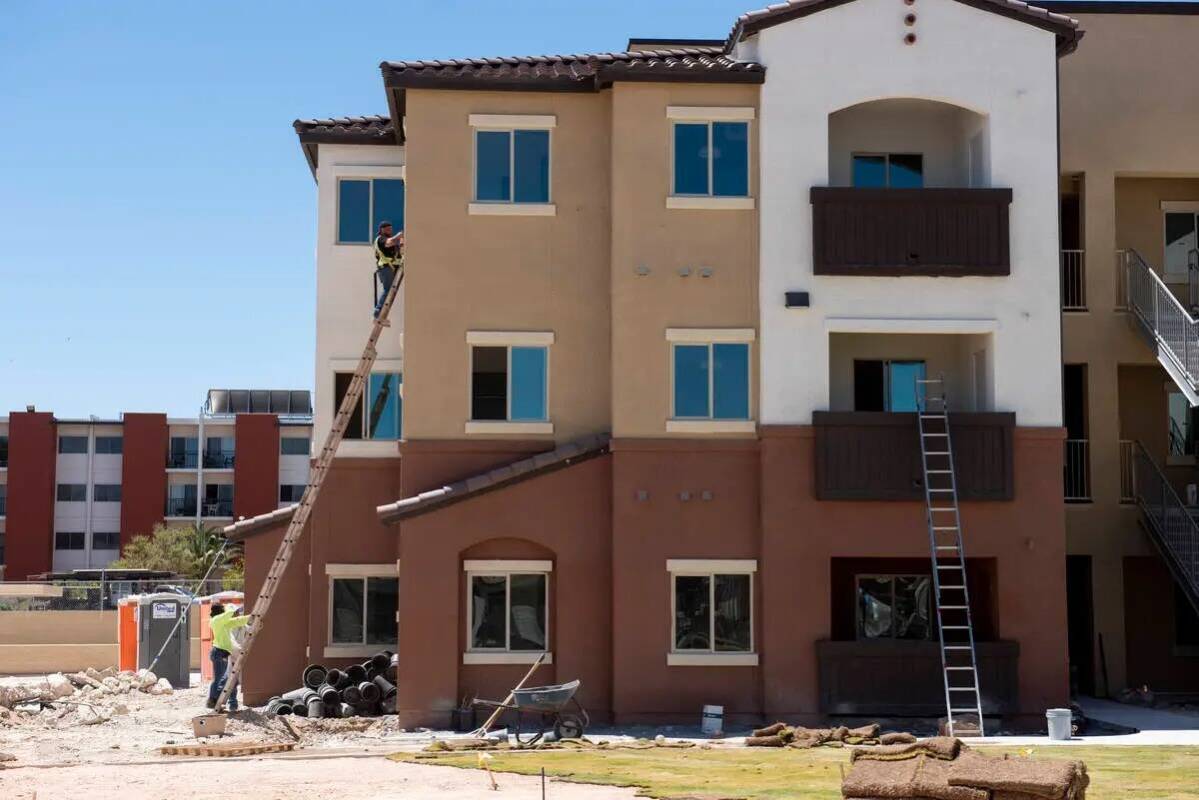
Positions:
{"x": 1181, "y": 432}
{"x": 181, "y": 500}
{"x": 362, "y": 204}
{"x": 711, "y": 381}
{"x": 219, "y": 452}
{"x": 1181, "y": 227}
{"x": 295, "y": 445}
{"x": 507, "y": 608}
{"x": 3, "y": 451}
{"x": 363, "y": 601}
{"x": 512, "y": 166}
{"x": 509, "y": 383}
{"x": 72, "y": 493}
{"x": 1186, "y": 624}
{"x": 109, "y": 445}
{"x": 713, "y": 612}
{"x": 72, "y": 444}
{"x": 107, "y": 493}
{"x": 291, "y": 492}
{"x": 68, "y": 540}
{"x": 888, "y": 170}
{"x": 711, "y": 159}
{"x": 106, "y": 540}
{"x": 894, "y": 607}
{"x": 184, "y": 452}
{"x": 886, "y": 385}
{"x": 3, "y": 501}
{"x": 382, "y": 406}
{"x": 218, "y": 500}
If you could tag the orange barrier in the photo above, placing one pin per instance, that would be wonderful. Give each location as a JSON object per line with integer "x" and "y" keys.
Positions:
{"x": 205, "y": 610}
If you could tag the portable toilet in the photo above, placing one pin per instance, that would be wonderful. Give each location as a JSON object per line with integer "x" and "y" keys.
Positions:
{"x": 127, "y": 633}
{"x": 205, "y": 611}
{"x": 159, "y": 627}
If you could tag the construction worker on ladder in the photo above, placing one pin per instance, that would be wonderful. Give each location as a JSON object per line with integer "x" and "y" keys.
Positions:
{"x": 389, "y": 259}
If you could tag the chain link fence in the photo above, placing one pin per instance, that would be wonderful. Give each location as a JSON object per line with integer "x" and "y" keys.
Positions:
{"x": 98, "y": 595}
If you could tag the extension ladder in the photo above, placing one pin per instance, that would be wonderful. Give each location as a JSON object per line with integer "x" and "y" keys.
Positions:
{"x": 316, "y": 479}
{"x": 955, "y": 628}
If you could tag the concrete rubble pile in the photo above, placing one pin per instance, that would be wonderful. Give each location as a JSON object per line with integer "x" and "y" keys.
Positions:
{"x": 359, "y": 690}
{"x": 943, "y": 768}
{"x": 89, "y": 697}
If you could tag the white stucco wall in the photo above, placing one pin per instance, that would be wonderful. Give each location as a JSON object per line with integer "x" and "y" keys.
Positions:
{"x": 853, "y": 53}
{"x": 344, "y": 281}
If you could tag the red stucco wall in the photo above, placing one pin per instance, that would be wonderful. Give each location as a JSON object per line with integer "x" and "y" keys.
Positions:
{"x": 143, "y": 474}
{"x": 29, "y": 528}
{"x": 256, "y": 465}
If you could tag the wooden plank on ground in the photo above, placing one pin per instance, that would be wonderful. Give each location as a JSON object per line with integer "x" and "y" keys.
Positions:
{"x": 227, "y": 749}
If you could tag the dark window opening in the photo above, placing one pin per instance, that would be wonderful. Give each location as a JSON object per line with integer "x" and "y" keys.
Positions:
{"x": 1186, "y": 621}
{"x": 341, "y": 385}
{"x": 888, "y": 170}
{"x": 72, "y": 493}
{"x": 109, "y": 445}
{"x": 106, "y": 540}
{"x": 1074, "y": 400}
{"x": 72, "y": 444}
{"x": 69, "y": 540}
{"x": 886, "y": 385}
{"x": 489, "y": 383}
{"x": 894, "y": 607}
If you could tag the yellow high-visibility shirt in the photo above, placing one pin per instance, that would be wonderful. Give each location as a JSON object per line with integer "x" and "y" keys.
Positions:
{"x": 222, "y": 629}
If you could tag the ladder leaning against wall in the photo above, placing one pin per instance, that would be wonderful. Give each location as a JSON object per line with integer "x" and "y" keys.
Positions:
{"x": 316, "y": 479}
{"x": 955, "y": 627}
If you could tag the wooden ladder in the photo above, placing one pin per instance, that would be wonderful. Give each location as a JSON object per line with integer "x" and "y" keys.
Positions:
{"x": 316, "y": 479}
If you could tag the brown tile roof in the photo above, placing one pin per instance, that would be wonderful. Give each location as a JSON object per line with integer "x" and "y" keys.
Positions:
{"x": 247, "y": 526}
{"x": 1065, "y": 27}
{"x": 579, "y": 72}
{"x": 373, "y": 129}
{"x": 559, "y": 458}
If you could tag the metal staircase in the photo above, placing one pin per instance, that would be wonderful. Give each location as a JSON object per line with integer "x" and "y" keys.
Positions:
{"x": 1170, "y": 329}
{"x": 1169, "y": 522}
{"x": 316, "y": 479}
{"x": 955, "y": 626}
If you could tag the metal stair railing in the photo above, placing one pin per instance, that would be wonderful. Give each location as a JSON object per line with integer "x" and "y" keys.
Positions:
{"x": 1168, "y": 521}
{"x": 1165, "y": 322}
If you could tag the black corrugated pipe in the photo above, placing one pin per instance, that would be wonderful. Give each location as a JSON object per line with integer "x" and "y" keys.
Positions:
{"x": 299, "y": 709}
{"x": 328, "y": 694}
{"x": 393, "y": 668}
{"x": 370, "y": 693}
{"x": 315, "y": 675}
{"x": 351, "y": 695}
{"x": 381, "y": 661}
{"x": 348, "y": 711}
{"x": 333, "y": 710}
{"x": 356, "y": 674}
{"x": 295, "y": 694}
{"x": 316, "y": 708}
{"x": 385, "y": 686}
{"x": 335, "y": 677}
{"x": 278, "y": 706}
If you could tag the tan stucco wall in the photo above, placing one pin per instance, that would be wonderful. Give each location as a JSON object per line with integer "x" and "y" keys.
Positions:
{"x": 1128, "y": 112}
{"x": 506, "y": 273}
{"x": 646, "y": 233}
{"x": 37, "y": 642}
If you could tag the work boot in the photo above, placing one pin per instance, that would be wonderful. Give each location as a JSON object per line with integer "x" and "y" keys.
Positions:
{"x": 210, "y": 704}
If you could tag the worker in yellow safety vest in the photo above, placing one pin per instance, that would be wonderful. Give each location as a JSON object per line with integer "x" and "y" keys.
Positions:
{"x": 223, "y": 623}
{"x": 389, "y": 259}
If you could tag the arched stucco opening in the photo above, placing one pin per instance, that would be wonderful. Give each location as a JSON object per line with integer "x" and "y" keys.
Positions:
{"x": 908, "y": 143}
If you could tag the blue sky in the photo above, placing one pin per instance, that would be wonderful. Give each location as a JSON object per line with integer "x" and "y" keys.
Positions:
{"x": 156, "y": 214}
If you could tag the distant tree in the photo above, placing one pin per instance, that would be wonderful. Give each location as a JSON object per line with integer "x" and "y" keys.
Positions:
{"x": 187, "y": 551}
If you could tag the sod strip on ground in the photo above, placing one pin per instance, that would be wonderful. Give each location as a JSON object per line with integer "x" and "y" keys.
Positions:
{"x": 1117, "y": 773}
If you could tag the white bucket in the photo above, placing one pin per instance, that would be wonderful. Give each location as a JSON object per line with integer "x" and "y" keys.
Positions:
{"x": 1060, "y": 722}
{"x": 712, "y": 722}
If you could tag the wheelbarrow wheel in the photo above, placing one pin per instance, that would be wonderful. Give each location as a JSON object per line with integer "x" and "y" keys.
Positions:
{"x": 569, "y": 726}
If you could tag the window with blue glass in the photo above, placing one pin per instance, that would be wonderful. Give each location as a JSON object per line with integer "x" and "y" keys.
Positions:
{"x": 380, "y": 412}
{"x": 880, "y": 385}
{"x": 512, "y": 166}
{"x": 711, "y": 159}
{"x": 711, "y": 381}
{"x": 509, "y": 384}
{"x": 362, "y": 203}
{"x": 888, "y": 170}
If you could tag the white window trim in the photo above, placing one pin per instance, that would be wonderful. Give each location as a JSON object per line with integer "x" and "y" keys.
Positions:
{"x": 710, "y": 335}
{"x": 898, "y": 325}
{"x": 380, "y": 365}
{"x": 699, "y": 202}
{"x": 510, "y": 338}
{"x": 711, "y": 113}
{"x": 1175, "y": 207}
{"x": 710, "y": 200}
{"x": 370, "y": 175}
{"x": 505, "y": 568}
{"x": 351, "y": 571}
{"x": 385, "y": 171}
{"x": 369, "y": 448}
{"x": 505, "y": 339}
{"x": 709, "y": 568}
{"x": 711, "y": 424}
{"x": 535, "y": 121}
{"x": 510, "y": 207}
{"x": 1180, "y": 205}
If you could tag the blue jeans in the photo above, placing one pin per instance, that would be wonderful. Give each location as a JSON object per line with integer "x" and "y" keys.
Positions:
{"x": 220, "y": 669}
{"x": 385, "y": 275}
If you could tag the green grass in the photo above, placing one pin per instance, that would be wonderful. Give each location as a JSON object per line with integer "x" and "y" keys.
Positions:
{"x": 1117, "y": 773}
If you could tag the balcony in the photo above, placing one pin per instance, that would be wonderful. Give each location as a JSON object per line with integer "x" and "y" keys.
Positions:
{"x": 874, "y": 455}
{"x": 218, "y": 508}
{"x": 1074, "y": 280}
{"x": 1077, "y": 471}
{"x": 218, "y": 460}
{"x": 182, "y": 460}
{"x": 180, "y": 508}
{"x": 896, "y": 232}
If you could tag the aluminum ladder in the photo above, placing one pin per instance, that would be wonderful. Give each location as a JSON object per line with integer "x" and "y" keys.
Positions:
{"x": 316, "y": 479}
{"x": 955, "y": 627}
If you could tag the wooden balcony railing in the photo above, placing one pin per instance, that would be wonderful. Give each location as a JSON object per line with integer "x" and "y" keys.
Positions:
{"x": 910, "y": 231}
{"x": 867, "y": 455}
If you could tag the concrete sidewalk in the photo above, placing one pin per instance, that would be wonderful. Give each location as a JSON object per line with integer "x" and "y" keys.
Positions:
{"x": 1157, "y": 727}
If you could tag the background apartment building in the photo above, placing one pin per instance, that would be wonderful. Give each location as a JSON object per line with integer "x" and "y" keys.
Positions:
{"x": 73, "y": 492}
{"x": 656, "y": 369}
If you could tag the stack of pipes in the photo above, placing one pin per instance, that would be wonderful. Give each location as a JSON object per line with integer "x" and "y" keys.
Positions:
{"x": 359, "y": 690}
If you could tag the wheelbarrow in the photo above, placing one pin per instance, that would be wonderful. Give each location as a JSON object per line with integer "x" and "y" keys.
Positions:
{"x": 545, "y": 708}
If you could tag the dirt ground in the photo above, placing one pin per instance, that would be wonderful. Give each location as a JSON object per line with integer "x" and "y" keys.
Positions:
{"x": 58, "y": 757}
